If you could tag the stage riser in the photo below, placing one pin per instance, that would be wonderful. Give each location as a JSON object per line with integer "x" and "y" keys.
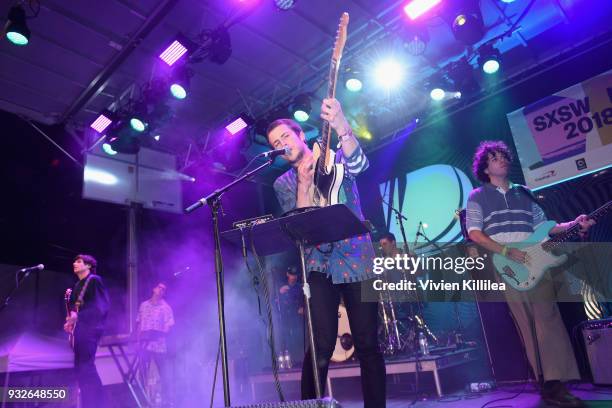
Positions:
{"x": 296, "y": 404}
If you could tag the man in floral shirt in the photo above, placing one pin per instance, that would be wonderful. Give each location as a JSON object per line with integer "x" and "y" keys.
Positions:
{"x": 155, "y": 318}
{"x": 337, "y": 269}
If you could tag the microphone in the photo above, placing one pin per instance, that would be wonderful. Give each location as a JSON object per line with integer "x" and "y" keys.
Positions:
{"x": 38, "y": 267}
{"x": 201, "y": 202}
{"x": 178, "y": 273}
{"x": 274, "y": 153}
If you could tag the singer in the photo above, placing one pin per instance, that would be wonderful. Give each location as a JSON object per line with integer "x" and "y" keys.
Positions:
{"x": 336, "y": 269}
{"x": 89, "y": 305}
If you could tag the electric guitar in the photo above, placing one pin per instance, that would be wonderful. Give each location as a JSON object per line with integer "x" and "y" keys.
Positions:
{"x": 67, "y": 302}
{"x": 329, "y": 175}
{"x": 539, "y": 248}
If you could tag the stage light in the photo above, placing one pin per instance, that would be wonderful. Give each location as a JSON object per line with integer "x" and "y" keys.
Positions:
{"x": 301, "y": 107}
{"x": 466, "y": 20}
{"x": 353, "y": 80}
{"x": 363, "y": 133}
{"x": 490, "y": 66}
{"x": 157, "y": 137}
{"x": 437, "y": 94}
{"x": 108, "y": 149}
{"x": 439, "y": 87}
{"x": 354, "y": 84}
{"x": 417, "y": 8}
{"x": 284, "y": 5}
{"x": 138, "y": 124}
{"x": 102, "y": 122}
{"x": 507, "y": 1}
{"x": 389, "y": 73}
{"x": 17, "y": 30}
{"x": 173, "y": 52}
{"x": 178, "y": 91}
{"x": 236, "y": 126}
{"x": 179, "y": 82}
{"x": 489, "y": 59}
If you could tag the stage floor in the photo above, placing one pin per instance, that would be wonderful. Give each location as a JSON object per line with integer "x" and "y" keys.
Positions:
{"x": 595, "y": 397}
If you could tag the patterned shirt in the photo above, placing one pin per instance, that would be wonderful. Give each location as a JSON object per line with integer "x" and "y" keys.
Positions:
{"x": 349, "y": 260}
{"x": 505, "y": 216}
{"x": 158, "y": 317}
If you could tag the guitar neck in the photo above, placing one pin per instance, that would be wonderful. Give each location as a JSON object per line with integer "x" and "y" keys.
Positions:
{"x": 572, "y": 232}
{"x": 326, "y": 128}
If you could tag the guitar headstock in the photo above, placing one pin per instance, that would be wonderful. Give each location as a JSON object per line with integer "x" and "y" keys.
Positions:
{"x": 340, "y": 37}
{"x": 67, "y": 294}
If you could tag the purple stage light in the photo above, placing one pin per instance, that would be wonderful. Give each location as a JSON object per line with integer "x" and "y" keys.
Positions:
{"x": 416, "y": 8}
{"x": 101, "y": 123}
{"x": 171, "y": 54}
{"x": 236, "y": 126}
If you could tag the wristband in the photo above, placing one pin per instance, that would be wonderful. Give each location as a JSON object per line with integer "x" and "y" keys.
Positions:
{"x": 345, "y": 135}
{"x": 504, "y": 251}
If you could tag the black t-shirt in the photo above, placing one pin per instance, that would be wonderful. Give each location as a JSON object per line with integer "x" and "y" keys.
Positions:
{"x": 93, "y": 310}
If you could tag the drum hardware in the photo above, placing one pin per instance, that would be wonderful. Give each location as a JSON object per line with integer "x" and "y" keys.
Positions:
{"x": 344, "y": 342}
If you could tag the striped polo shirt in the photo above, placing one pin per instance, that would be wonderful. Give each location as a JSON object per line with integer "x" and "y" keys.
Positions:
{"x": 505, "y": 216}
{"x": 349, "y": 260}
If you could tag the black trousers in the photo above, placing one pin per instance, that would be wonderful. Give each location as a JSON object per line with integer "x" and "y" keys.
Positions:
{"x": 363, "y": 319}
{"x": 85, "y": 346}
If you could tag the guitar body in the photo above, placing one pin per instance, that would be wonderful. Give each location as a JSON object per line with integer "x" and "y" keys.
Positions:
{"x": 526, "y": 276}
{"x": 329, "y": 181}
{"x": 67, "y": 302}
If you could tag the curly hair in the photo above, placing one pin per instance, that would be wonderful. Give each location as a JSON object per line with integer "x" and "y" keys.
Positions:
{"x": 481, "y": 157}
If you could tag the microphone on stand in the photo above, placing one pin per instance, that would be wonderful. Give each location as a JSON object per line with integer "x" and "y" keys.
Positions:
{"x": 29, "y": 269}
{"x": 272, "y": 154}
{"x": 180, "y": 272}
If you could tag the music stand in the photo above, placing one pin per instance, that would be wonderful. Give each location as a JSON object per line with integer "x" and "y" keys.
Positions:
{"x": 312, "y": 226}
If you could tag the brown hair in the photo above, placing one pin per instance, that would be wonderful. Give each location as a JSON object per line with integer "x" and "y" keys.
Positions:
{"x": 88, "y": 260}
{"x": 290, "y": 123}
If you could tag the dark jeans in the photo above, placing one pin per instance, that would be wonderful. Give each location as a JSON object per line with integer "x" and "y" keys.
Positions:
{"x": 363, "y": 318}
{"x": 85, "y": 346}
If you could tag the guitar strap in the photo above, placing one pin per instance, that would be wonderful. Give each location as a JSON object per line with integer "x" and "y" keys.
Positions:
{"x": 531, "y": 196}
{"x": 79, "y": 301}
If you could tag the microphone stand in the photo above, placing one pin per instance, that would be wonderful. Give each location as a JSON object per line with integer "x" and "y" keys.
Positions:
{"x": 400, "y": 219}
{"x": 20, "y": 278}
{"x": 417, "y": 363}
{"x": 213, "y": 200}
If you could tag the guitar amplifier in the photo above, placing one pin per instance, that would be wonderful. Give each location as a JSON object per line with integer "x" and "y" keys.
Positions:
{"x": 597, "y": 336}
{"x": 320, "y": 403}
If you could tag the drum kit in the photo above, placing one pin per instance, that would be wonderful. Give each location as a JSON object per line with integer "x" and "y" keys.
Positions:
{"x": 398, "y": 331}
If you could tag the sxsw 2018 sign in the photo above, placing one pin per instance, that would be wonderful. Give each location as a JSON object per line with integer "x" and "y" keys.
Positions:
{"x": 566, "y": 134}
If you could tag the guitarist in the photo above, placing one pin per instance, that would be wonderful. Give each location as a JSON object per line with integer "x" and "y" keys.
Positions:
{"x": 500, "y": 212}
{"x": 89, "y": 306}
{"x": 335, "y": 269}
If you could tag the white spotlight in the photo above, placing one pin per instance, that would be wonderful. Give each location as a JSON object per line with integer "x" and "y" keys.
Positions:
{"x": 389, "y": 74}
